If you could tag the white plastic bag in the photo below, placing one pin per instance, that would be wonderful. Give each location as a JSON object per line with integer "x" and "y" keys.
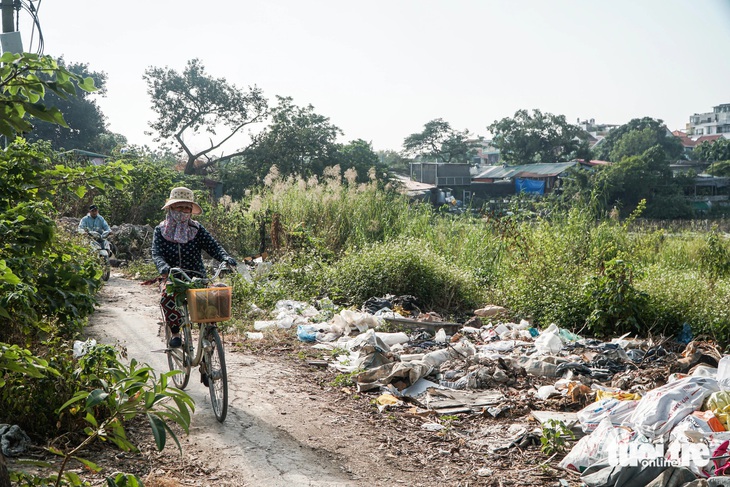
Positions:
{"x": 82, "y": 348}
{"x": 593, "y": 448}
{"x": 662, "y": 408}
{"x": 545, "y": 392}
{"x": 391, "y": 339}
{"x": 440, "y": 336}
{"x": 548, "y": 343}
{"x": 723, "y": 373}
{"x": 615, "y": 410}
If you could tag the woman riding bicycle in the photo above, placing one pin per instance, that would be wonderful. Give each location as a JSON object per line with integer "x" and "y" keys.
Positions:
{"x": 178, "y": 242}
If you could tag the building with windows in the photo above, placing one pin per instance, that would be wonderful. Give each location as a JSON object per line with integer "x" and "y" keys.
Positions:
{"x": 715, "y": 122}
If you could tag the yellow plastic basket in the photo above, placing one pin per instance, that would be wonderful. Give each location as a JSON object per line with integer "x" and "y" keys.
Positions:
{"x": 209, "y": 304}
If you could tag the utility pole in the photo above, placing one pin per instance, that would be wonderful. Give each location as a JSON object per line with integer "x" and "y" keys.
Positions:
{"x": 7, "y": 12}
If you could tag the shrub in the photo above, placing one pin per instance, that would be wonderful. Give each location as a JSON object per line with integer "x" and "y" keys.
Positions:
{"x": 405, "y": 266}
{"x": 686, "y": 296}
{"x": 617, "y": 305}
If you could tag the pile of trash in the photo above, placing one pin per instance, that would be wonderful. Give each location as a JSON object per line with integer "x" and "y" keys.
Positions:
{"x": 649, "y": 412}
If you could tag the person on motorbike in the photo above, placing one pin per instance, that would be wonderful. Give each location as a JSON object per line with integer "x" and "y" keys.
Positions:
{"x": 94, "y": 222}
{"x": 178, "y": 241}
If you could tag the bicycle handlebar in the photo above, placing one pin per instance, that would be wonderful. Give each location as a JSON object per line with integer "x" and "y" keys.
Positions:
{"x": 179, "y": 272}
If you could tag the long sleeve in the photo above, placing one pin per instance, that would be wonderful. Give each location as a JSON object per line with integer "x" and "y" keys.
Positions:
{"x": 211, "y": 245}
{"x": 157, "y": 254}
{"x": 83, "y": 224}
{"x": 103, "y": 224}
{"x": 187, "y": 256}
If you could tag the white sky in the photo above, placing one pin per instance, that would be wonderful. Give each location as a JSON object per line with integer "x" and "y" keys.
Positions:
{"x": 381, "y": 69}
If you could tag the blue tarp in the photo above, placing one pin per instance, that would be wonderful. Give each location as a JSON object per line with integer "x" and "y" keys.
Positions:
{"x": 529, "y": 186}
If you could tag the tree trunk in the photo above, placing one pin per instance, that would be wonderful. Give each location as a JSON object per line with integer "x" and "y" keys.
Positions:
{"x": 4, "y": 474}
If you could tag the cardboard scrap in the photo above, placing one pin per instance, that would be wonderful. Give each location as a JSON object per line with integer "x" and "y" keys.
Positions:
{"x": 449, "y": 401}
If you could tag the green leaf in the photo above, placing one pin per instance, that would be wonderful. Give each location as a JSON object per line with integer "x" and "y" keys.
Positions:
{"x": 96, "y": 397}
{"x": 91, "y": 420}
{"x": 88, "y": 464}
{"x": 124, "y": 480}
{"x": 56, "y": 451}
{"x": 73, "y": 478}
{"x": 158, "y": 430}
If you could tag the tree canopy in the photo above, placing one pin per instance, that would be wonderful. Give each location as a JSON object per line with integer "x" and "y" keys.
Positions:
{"x": 438, "y": 141}
{"x": 86, "y": 123}
{"x": 298, "y": 141}
{"x": 635, "y": 137}
{"x": 193, "y": 102}
{"x": 625, "y": 183}
{"x": 25, "y": 79}
{"x": 538, "y": 137}
{"x": 718, "y": 150}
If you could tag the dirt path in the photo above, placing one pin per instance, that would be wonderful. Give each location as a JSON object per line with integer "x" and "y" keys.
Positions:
{"x": 280, "y": 430}
{"x": 288, "y": 425}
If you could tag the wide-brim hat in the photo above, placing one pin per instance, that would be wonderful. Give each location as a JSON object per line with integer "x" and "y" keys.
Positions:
{"x": 183, "y": 195}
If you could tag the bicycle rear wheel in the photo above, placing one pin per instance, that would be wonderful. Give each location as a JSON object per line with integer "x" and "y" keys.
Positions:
{"x": 179, "y": 358}
{"x": 215, "y": 364}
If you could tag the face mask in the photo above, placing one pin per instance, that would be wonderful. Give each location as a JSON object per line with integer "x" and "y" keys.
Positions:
{"x": 179, "y": 216}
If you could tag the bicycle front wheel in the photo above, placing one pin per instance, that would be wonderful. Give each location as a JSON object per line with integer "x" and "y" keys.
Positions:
{"x": 106, "y": 269}
{"x": 179, "y": 358}
{"x": 215, "y": 362}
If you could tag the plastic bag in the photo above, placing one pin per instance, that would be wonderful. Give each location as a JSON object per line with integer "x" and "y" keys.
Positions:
{"x": 662, "y": 408}
{"x": 307, "y": 333}
{"x": 545, "y": 392}
{"x": 82, "y": 348}
{"x": 391, "y": 339}
{"x": 723, "y": 373}
{"x": 440, "y": 336}
{"x": 719, "y": 403}
{"x": 615, "y": 410}
{"x": 548, "y": 343}
{"x": 702, "y": 421}
{"x": 592, "y": 449}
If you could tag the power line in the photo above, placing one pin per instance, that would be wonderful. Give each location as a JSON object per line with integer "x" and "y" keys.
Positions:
{"x": 27, "y": 5}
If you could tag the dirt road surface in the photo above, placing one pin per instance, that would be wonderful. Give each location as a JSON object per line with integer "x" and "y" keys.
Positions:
{"x": 280, "y": 430}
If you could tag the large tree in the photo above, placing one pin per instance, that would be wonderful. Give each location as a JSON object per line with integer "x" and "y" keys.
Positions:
{"x": 646, "y": 176}
{"x": 718, "y": 153}
{"x": 393, "y": 160}
{"x": 86, "y": 123}
{"x": 534, "y": 137}
{"x": 438, "y": 141}
{"x": 712, "y": 151}
{"x": 193, "y": 102}
{"x": 298, "y": 141}
{"x": 635, "y": 137}
{"x": 359, "y": 155}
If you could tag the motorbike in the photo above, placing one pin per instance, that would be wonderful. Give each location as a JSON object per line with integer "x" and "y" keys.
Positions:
{"x": 104, "y": 249}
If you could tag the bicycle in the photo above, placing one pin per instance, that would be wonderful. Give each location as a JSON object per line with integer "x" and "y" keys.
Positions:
{"x": 209, "y": 354}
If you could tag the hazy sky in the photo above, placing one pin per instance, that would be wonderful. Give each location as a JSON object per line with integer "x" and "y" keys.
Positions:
{"x": 381, "y": 69}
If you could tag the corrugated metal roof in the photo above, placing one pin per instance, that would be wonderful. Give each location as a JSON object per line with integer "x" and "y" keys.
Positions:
{"x": 541, "y": 170}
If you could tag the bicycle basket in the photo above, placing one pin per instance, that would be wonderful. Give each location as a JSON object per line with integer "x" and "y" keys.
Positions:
{"x": 209, "y": 304}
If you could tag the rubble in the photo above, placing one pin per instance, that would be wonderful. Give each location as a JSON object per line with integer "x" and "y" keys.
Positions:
{"x": 628, "y": 400}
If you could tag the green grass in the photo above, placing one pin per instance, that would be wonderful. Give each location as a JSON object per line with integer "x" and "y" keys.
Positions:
{"x": 354, "y": 241}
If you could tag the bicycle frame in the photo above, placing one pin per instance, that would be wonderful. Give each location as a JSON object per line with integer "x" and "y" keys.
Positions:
{"x": 209, "y": 355}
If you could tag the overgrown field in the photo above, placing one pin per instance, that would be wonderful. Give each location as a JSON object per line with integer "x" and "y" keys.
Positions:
{"x": 604, "y": 277}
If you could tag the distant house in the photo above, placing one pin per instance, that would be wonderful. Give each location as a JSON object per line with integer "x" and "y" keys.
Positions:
{"x": 84, "y": 155}
{"x": 487, "y": 154}
{"x": 441, "y": 173}
{"x": 689, "y": 143}
{"x": 711, "y": 123}
{"x": 530, "y": 178}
